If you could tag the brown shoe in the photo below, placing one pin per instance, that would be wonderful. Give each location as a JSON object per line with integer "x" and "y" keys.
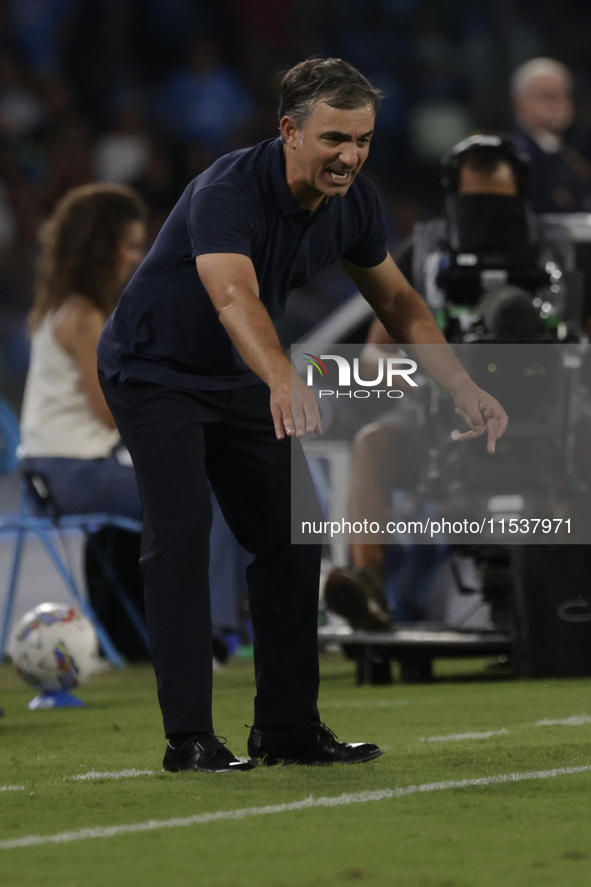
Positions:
{"x": 357, "y": 596}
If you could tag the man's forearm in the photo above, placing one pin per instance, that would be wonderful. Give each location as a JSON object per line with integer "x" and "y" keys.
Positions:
{"x": 231, "y": 281}
{"x": 232, "y": 285}
{"x": 410, "y": 323}
{"x": 248, "y": 324}
{"x": 408, "y": 320}
{"x": 293, "y": 407}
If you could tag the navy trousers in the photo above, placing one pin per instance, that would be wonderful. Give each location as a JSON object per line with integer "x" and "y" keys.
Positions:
{"x": 178, "y": 440}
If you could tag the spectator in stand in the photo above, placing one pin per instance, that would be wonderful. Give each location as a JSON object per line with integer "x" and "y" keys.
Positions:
{"x": 204, "y": 102}
{"x": 544, "y": 110}
{"x": 37, "y": 27}
{"x": 121, "y": 154}
{"x": 69, "y": 159}
{"x": 21, "y": 110}
{"x": 159, "y": 185}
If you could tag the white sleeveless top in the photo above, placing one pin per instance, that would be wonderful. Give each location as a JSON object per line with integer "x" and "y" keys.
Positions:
{"x": 56, "y": 418}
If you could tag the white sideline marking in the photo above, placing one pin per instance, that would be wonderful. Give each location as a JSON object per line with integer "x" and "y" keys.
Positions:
{"x": 246, "y": 812}
{"x": 12, "y": 788}
{"x": 110, "y": 774}
{"x": 574, "y": 721}
{"x": 458, "y": 737}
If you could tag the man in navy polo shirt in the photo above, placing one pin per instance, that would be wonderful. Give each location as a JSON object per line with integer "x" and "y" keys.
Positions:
{"x": 201, "y": 390}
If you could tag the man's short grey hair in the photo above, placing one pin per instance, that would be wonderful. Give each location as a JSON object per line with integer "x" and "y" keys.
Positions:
{"x": 538, "y": 67}
{"x": 334, "y": 81}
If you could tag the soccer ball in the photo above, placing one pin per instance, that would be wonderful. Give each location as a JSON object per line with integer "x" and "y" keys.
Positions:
{"x": 54, "y": 648}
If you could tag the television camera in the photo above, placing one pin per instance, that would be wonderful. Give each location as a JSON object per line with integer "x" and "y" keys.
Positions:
{"x": 504, "y": 274}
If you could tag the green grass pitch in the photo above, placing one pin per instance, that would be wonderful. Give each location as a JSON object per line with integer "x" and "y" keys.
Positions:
{"x": 532, "y": 832}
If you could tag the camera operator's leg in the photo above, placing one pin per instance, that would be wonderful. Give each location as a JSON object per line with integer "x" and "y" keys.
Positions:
{"x": 385, "y": 455}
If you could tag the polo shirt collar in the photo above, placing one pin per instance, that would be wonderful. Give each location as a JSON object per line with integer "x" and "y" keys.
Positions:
{"x": 287, "y": 202}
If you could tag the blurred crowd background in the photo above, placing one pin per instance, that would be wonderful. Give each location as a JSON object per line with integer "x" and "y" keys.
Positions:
{"x": 149, "y": 92}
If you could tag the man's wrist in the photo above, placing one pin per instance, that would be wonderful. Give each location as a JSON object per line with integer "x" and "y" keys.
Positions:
{"x": 279, "y": 373}
{"x": 457, "y": 382}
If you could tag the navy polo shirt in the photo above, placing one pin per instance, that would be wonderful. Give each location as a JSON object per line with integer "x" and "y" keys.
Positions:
{"x": 166, "y": 329}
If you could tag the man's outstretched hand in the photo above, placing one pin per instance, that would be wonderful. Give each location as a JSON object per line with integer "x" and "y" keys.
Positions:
{"x": 294, "y": 408}
{"x": 481, "y": 412}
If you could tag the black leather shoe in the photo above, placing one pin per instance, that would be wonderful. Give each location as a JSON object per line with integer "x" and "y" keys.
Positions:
{"x": 306, "y": 743}
{"x": 357, "y": 596}
{"x": 204, "y": 752}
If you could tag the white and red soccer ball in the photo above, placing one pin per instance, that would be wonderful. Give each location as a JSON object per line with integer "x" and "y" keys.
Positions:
{"x": 54, "y": 648}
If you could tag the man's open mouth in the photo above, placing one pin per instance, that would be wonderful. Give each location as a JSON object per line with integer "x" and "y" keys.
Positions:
{"x": 339, "y": 176}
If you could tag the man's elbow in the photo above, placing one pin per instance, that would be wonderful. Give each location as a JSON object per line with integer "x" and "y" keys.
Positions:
{"x": 230, "y": 298}
{"x": 226, "y": 298}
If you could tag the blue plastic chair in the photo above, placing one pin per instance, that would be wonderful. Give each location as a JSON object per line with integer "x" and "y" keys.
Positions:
{"x": 32, "y": 517}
